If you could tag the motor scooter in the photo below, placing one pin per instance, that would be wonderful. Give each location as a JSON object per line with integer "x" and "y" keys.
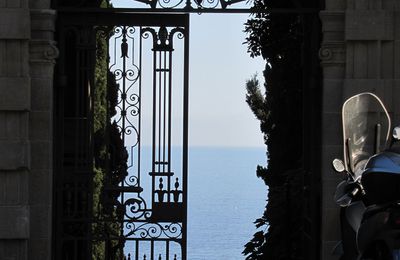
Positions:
{"x": 370, "y": 194}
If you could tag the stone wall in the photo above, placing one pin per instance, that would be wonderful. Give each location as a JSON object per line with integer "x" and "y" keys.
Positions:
{"x": 27, "y": 56}
{"x": 360, "y": 52}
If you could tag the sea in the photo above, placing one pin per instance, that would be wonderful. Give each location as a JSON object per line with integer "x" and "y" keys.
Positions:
{"x": 224, "y": 199}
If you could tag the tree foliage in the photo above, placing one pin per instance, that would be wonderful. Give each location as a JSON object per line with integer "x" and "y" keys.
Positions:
{"x": 278, "y": 107}
{"x": 110, "y": 158}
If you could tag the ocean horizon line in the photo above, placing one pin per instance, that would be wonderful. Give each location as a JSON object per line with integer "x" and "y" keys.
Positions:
{"x": 215, "y": 146}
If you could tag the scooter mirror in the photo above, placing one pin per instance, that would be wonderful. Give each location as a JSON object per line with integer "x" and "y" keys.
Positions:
{"x": 396, "y": 133}
{"x": 338, "y": 165}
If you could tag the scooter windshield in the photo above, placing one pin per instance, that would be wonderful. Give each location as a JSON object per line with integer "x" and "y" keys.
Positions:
{"x": 366, "y": 129}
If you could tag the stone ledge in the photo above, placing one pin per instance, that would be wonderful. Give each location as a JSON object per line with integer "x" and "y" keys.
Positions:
{"x": 14, "y": 222}
{"x": 332, "y": 21}
{"x": 369, "y": 25}
{"x": 14, "y": 155}
{"x": 43, "y": 19}
{"x": 43, "y": 23}
{"x": 15, "y": 93}
{"x": 14, "y": 23}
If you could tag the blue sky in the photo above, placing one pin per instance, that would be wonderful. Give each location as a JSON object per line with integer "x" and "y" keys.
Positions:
{"x": 219, "y": 68}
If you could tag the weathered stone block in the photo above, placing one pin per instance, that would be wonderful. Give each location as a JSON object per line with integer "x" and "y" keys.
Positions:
{"x": 13, "y": 125}
{"x": 40, "y": 125}
{"x": 15, "y": 249}
{"x": 15, "y": 93}
{"x": 333, "y": 71}
{"x": 41, "y": 154}
{"x": 332, "y": 133}
{"x": 14, "y": 155}
{"x": 41, "y": 217}
{"x": 14, "y": 23}
{"x": 369, "y": 25}
{"x": 14, "y": 222}
{"x": 387, "y": 60}
{"x": 333, "y": 95}
{"x": 396, "y": 95}
{"x": 40, "y": 247}
{"x": 14, "y": 56}
{"x": 41, "y": 94}
{"x": 40, "y": 191}
{"x": 388, "y": 97}
{"x": 356, "y": 86}
{"x": 13, "y": 188}
{"x": 332, "y": 223}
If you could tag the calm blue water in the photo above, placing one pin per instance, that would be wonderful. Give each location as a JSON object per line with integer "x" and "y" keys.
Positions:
{"x": 225, "y": 197}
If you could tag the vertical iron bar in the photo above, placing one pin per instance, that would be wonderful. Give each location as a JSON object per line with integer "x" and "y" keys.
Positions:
{"x": 167, "y": 250}
{"x": 185, "y": 137}
{"x": 152, "y": 250}
{"x": 140, "y": 108}
{"x": 164, "y": 107}
{"x": 154, "y": 122}
{"x": 169, "y": 120}
{"x": 137, "y": 250}
{"x": 159, "y": 108}
{"x": 123, "y": 96}
{"x": 123, "y": 87}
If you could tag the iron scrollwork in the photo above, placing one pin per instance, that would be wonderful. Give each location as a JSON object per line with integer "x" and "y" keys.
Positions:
{"x": 154, "y": 230}
{"x": 162, "y": 219}
{"x": 104, "y": 202}
{"x": 188, "y": 5}
{"x": 126, "y": 74}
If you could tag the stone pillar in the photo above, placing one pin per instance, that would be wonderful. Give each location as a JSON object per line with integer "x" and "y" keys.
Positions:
{"x": 332, "y": 55}
{"x": 43, "y": 52}
{"x": 27, "y": 55}
{"x": 360, "y": 52}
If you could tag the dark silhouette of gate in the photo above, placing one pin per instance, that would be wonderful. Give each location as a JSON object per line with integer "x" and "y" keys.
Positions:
{"x": 104, "y": 207}
{"x": 120, "y": 184}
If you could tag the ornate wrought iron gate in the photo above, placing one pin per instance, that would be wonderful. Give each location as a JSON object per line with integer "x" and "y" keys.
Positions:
{"x": 121, "y": 157}
{"x": 120, "y": 185}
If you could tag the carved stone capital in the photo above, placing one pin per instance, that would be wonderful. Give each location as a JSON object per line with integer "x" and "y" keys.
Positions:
{"x": 332, "y": 53}
{"x": 43, "y": 51}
